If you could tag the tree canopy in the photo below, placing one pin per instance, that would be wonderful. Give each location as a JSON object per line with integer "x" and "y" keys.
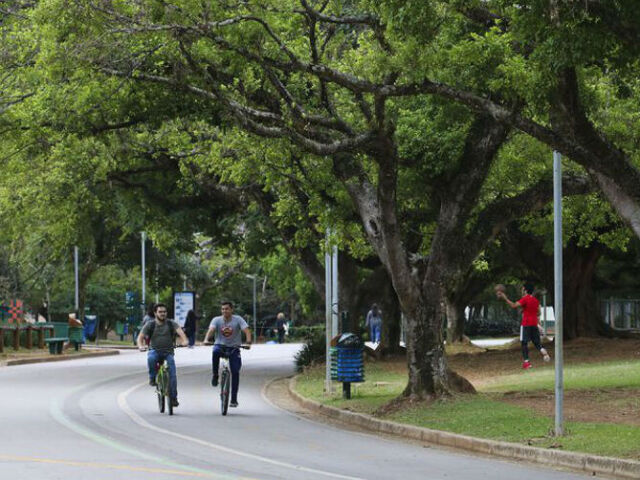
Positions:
{"x": 417, "y": 131}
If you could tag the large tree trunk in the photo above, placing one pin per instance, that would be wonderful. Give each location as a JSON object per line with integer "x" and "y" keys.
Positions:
{"x": 455, "y": 320}
{"x": 581, "y": 313}
{"x": 429, "y": 374}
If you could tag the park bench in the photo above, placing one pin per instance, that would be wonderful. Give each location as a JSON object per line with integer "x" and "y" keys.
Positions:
{"x": 56, "y": 344}
{"x": 76, "y": 336}
{"x": 62, "y": 334}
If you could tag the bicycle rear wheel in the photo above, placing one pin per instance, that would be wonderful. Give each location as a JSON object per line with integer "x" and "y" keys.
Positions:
{"x": 225, "y": 383}
{"x": 160, "y": 391}
{"x": 166, "y": 389}
{"x": 161, "y": 387}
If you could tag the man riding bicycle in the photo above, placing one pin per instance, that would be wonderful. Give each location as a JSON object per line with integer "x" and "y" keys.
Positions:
{"x": 228, "y": 329}
{"x": 161, "y": 333}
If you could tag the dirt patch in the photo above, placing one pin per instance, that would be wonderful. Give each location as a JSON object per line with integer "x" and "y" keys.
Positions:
{"x": 621, "y": 405}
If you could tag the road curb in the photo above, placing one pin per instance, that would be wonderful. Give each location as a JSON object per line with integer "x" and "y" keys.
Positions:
{"x": 58, "y": 358}
{"x": 591, "y": 464}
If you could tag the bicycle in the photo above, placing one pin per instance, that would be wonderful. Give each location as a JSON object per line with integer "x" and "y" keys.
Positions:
{"x": 163, "y": 387}
{"x": 225, "y": 378}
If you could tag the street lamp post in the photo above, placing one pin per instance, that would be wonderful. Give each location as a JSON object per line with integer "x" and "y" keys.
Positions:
{"x": 144, "y": 266}
{"x": 75, "y": 270}
{"x": 255, "y": 314}
{"x": 558, "y": 283}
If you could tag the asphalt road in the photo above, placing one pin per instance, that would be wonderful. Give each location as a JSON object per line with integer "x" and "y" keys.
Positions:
{"x": 97, "y": 419}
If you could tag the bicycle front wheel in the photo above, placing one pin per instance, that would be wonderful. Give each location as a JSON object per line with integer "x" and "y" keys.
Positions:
{"x": 160, "y": 401}
{"x": 225, "y": 384}
{"x": 166, "y": 389}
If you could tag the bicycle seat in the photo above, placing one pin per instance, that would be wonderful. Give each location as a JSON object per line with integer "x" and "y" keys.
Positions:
{"x": 227, "y": 351}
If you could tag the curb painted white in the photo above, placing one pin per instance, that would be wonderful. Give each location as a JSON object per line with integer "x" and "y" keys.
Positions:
{"x": 556, "y": 458}
{"x": 57, "y": 358}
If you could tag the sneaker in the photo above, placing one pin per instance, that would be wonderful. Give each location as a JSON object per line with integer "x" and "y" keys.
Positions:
{"x": 174, "y": 402}
{"x": 526, "y": 365}
{"x": 546, "y": 357}
{"x": 214, "y": 381}
{"x": 153, "y": 383}
{"x": 233, "y": 404}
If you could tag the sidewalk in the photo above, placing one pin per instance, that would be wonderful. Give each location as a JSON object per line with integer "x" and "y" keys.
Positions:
{"x": 55, "y": 358}
{"x": 591, "y": 464}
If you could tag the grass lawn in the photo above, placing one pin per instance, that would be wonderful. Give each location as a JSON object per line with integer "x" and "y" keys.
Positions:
{"x": 602, "y": 399}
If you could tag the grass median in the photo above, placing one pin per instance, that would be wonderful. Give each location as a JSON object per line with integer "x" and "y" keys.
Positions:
{"x": 602, "y": 398}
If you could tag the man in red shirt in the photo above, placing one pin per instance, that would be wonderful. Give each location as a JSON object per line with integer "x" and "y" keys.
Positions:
{"x": 529, "y": 327}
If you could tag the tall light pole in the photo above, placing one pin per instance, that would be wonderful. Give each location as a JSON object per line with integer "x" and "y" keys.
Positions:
{"x": 331, "y": 302}
{"x": 334, "y": 291}
{"x": 144, "y": 267}
{"x": 157, "y": 295}
{"x": 255, "y": 310}
{"x": 75, "y": 269}
{"x": 558, "y": 282}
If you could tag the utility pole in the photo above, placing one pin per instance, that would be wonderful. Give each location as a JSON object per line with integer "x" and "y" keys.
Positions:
{"x": 558, "y": 283}
{"x": 327, "y": 305}
{"x": 77, "y": 295}
{"x": 144, "y": 266}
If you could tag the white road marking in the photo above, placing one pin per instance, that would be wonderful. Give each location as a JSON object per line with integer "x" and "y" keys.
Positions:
{"x": 122, "y": 403}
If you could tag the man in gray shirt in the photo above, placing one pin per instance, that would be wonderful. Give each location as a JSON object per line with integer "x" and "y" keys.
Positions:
{"x": 161, "y": 332}
{"x": 228, "y": 330}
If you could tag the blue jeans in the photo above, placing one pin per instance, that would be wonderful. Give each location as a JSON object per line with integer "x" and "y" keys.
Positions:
{"x": 235, "y": 363}
{"x": 192, "y": 338}
{"x": 155, "y": 357}
{"x": 375, "y": 333}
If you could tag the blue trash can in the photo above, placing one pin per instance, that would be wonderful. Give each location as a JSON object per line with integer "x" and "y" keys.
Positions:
{"x": 90, "y": 322}
{"x": 347, "y": 362}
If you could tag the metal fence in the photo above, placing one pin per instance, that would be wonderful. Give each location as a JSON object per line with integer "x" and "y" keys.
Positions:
{"x": 621, "y": 314}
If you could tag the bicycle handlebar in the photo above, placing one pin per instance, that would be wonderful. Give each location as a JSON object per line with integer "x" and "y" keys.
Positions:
{"x": 243, "y": 346}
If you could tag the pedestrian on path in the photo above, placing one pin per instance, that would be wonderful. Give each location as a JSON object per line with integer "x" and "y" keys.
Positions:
{"x": 529, "y": 331}
{"x": 281, "y": 326}
{"x": 150, "y": 315}
{"x": 191, "y": 327}
{"x": 374, "y": 323}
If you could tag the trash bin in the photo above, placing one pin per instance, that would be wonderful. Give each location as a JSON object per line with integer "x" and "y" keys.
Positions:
{"x": 122, "y": 329}
{"x": 90, "y": 323}
{"x": 347, "y": 364}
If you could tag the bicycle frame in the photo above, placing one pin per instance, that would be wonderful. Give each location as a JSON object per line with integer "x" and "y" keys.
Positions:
{"x": 163, "y": 387}
{"x": 225, "y": 378}
{"x": 225, "y": 384}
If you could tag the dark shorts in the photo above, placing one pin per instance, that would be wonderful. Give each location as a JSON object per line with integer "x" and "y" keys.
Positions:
{"x": 530, "y": 334}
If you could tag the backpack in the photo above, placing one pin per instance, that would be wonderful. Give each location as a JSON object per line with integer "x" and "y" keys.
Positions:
{"x": 172, "y": 330}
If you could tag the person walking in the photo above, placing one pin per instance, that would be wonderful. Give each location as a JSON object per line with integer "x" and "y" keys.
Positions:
{"x": 150, "y": 315}
{"x": 191, "y": 327}
{"x": 228, "y": 330}
{"x": 374, "y": 323}
{"x": 281, "y": 326}
{"x": 161, "y": 333}
{"x": 529, "y": 331}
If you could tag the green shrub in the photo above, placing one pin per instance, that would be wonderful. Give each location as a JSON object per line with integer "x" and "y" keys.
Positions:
{"x": 302, "y": 332}
{"x": 313, "y": 349}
